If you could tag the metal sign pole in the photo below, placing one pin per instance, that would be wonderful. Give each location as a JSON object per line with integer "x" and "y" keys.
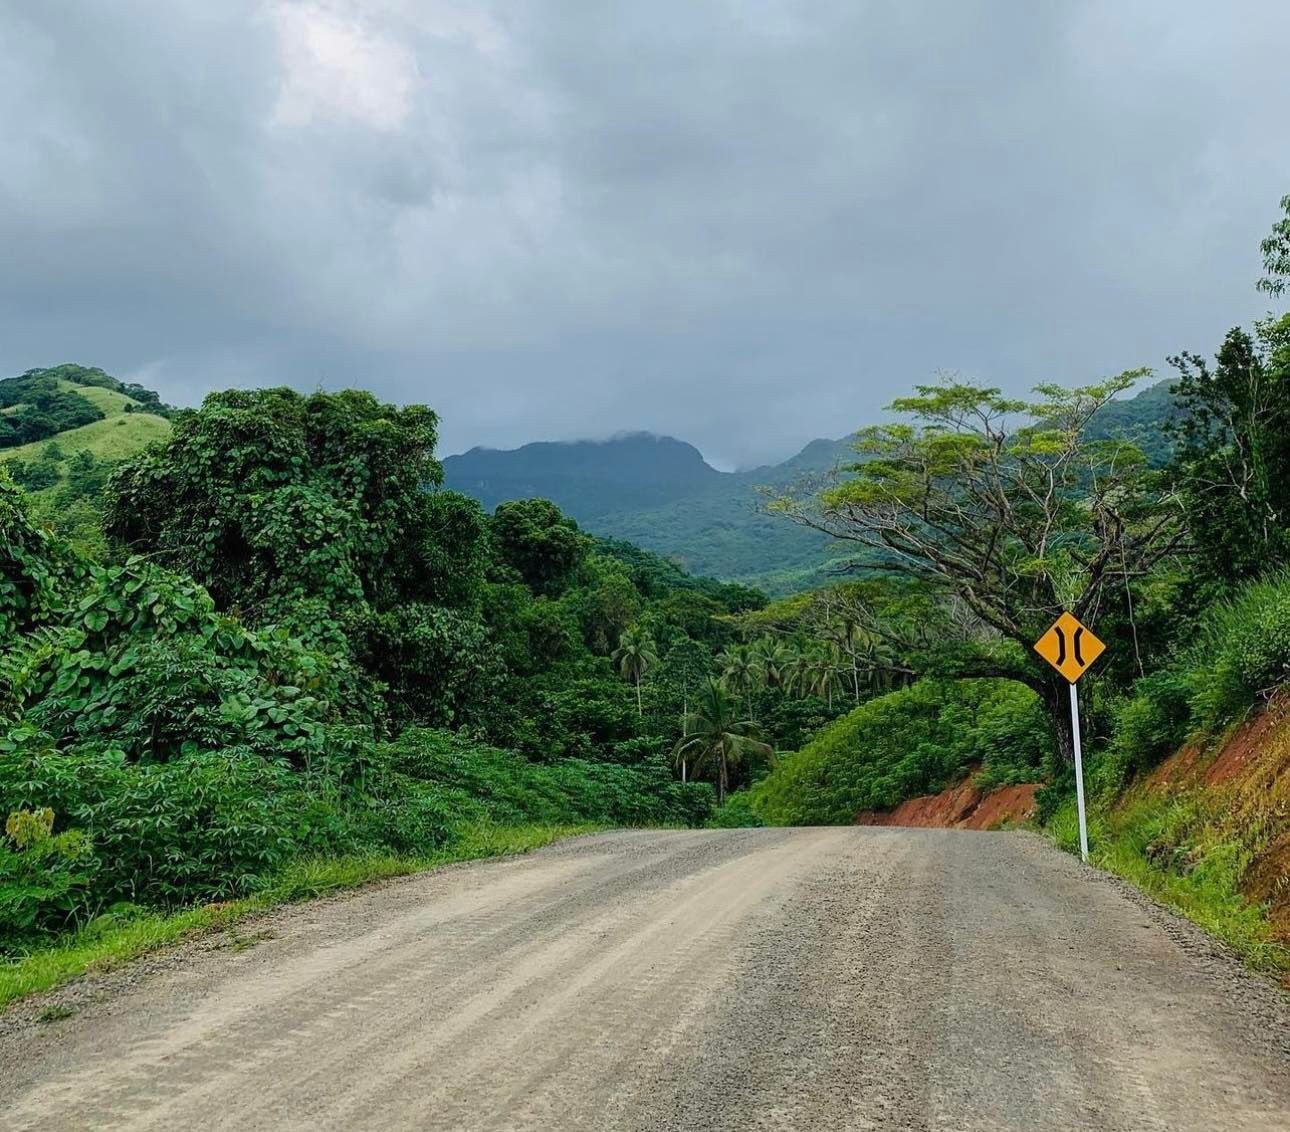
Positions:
{"x": 1079, "y": 775}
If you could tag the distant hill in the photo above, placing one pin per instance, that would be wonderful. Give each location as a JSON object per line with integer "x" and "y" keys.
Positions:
{"x": 585, "y": 477}
{"x": 62, "y": 430}
{"x": 78, "y": 409}
{"x": 659, "y": 493}
{"x": 1140, "y": 418}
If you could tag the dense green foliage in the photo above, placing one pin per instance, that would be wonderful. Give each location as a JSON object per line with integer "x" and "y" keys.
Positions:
{"x": 264, "y": 681}
{"x": 914, "y": 741}
{"x": 1233, "y": 458}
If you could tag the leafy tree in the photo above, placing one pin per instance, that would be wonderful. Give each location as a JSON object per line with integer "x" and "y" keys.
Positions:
{"x": 540, "y": 543}
{"x": 312, "y": 512}
{"x": 1233, "y": 455}
{"x": 635, "y": 656}
{"x": 607, "y": 603}
{"x": 1276, "y": 253}
{"x": 715, "y": 737}
{"x": 1006, "y": 514}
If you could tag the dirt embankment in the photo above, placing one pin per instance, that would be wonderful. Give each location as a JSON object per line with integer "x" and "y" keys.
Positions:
{"x": 960, "y": 807}
{"x": 1243, "y": 781}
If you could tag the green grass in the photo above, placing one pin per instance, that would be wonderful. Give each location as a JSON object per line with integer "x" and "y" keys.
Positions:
{"x": 112, "y": 438}
{"x": 1169, "y": 848}
{"x": 107, "y": 401}
{"x": 106, "y": 944}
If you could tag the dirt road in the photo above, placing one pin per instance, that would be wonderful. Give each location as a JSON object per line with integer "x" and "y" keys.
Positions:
{"x": 808, "y": 979}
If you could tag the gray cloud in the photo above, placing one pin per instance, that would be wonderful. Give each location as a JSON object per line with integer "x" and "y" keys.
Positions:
{"x": 743, "y": 223}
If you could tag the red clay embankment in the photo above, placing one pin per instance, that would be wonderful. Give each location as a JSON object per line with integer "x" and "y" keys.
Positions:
{"x": 1243, "y": 780}
{"x": 960, "y": 807}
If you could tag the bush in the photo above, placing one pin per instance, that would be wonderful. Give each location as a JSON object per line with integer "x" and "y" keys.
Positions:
{"x": 914, "y": 741}
{"x": 1151, "y": 723}
{"x": 44, "y": 877}
{"x": 737, "y": 813}
{"x": 204, "y": 826}
{"x": 1244, "y": 651}
{"x": 506, "y": 788}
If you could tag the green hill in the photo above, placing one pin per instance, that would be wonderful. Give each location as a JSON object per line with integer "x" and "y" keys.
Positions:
{"x": 81, "y": 422}
{"x": 117, "y": 436}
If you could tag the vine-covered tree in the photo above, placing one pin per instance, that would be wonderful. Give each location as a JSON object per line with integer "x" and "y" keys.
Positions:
{"x": 315, "y": 513}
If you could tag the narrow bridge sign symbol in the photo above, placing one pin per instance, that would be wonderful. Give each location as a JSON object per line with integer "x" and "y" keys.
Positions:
{"x": 1069, "y": 647}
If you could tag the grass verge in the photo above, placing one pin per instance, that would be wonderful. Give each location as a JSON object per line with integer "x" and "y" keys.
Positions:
{"x": 1173, "y": 849}
{"x": 106, "y": 943}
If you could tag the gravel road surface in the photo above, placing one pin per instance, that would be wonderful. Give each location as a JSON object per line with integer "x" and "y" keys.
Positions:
{"x": 807, "y": 979}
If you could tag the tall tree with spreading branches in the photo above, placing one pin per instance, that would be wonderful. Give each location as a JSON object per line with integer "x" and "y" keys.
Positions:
{"x": 1002, "y": 510}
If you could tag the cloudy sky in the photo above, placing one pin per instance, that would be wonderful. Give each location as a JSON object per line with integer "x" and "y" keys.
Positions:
{"x": 743, "y": 222}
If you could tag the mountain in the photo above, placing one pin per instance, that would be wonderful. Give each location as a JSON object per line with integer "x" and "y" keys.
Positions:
{"x": 659, "y": 493}
{"x": 585, "y": 477}
{"x": 1141, "y": 419}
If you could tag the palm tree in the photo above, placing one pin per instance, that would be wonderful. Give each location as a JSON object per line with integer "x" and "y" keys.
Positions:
{"x": 797, "y": 672}
{"x": 853, "y": 641}
{"x": 774, "y": 659}
{"x": 635, "y": 656}
{"x": 740, "y": 669}
{"x": 823, "y": 673}
{"x": 713, "y": 735}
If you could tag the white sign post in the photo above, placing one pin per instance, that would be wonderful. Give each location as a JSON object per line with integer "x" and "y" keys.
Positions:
{"x": 1079, "y": 776}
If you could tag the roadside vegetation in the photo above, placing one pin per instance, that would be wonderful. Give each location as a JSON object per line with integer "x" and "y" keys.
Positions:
{"x": 295, "y": 652}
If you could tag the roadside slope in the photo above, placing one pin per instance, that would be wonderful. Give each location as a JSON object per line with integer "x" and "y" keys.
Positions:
{"x": 767, "y": 978}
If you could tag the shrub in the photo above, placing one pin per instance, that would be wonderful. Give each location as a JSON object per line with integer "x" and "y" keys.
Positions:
{"x": 44, "y": 877}
{"x": 208, "y": 825}
{"x": 737, "y": 813}
{"x": 1244, "y": 651}
{"x": 1151, "y": 722}
{"x": 914, "y": 741}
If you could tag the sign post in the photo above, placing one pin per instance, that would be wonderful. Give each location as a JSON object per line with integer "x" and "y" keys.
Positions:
{"x": 1070, "y": 647}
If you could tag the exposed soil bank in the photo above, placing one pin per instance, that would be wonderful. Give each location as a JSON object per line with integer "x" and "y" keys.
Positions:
{"x": 960, "y": 807}
{"x": 1243, "y": 779}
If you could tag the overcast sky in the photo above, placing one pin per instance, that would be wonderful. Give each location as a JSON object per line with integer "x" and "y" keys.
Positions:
{"x": 746, "y": 223}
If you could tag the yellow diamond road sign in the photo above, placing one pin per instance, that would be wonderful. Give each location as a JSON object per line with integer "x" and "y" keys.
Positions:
{"x": 1069, "y": 647}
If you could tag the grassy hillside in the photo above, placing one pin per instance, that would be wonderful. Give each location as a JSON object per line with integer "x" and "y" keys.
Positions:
{"x": 65, "y": 472}
{"x": 113, "y": 438}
